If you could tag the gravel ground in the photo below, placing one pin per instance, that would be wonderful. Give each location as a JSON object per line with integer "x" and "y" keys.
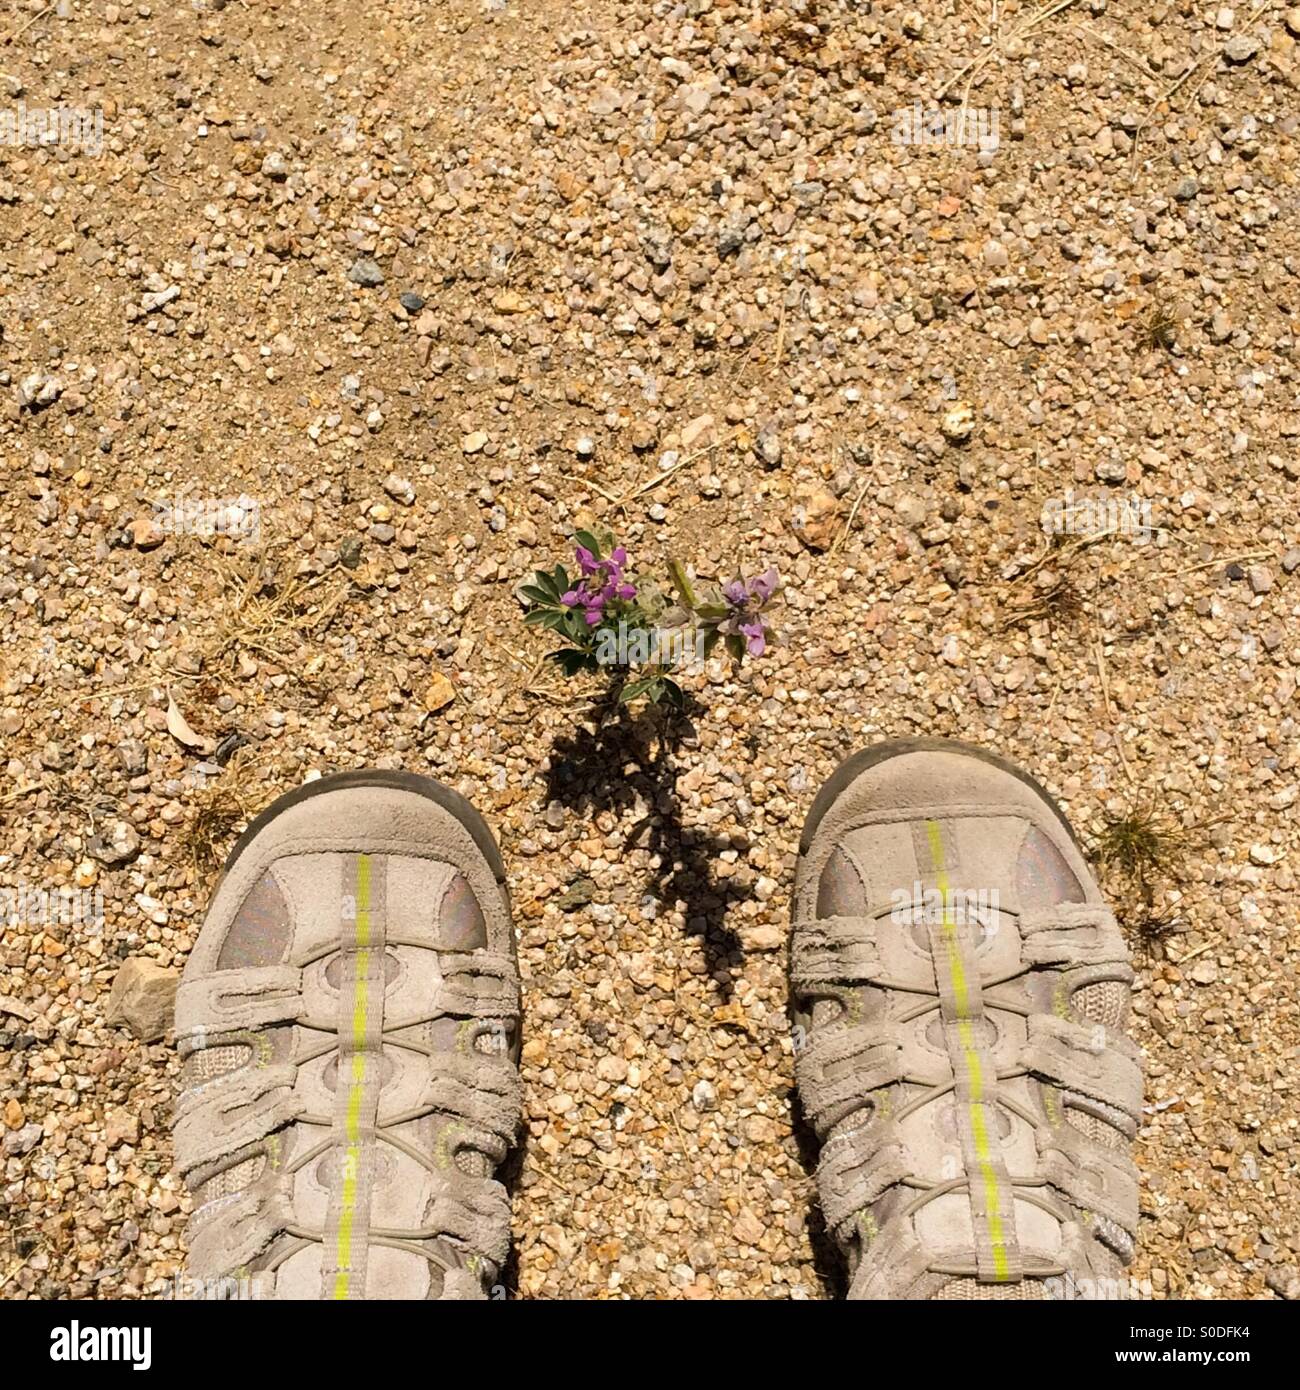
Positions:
{"x": 432, "y": 285}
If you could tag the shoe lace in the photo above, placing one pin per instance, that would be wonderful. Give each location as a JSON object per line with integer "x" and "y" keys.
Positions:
{"x": 412, "y": 1240}
{"x": 1025, "y": 1187}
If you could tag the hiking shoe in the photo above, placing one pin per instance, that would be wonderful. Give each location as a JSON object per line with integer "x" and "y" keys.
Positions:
{"x": 348, "y": 1022}
{"x": 960, "y": 991}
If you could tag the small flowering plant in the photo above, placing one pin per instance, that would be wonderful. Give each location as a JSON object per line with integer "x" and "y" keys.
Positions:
{"x": 639, "y": 630}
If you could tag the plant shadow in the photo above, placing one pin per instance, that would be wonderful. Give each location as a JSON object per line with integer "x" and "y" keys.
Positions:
{"x": 629, "y": 760}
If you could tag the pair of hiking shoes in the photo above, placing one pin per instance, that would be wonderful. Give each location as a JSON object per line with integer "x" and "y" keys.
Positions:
{"x": 349, "y": 1028}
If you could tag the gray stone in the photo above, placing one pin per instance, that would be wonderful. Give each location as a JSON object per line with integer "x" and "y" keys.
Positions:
{"x": 995, "y": 255}
{"x": 39, "y": 390}
{"x": 399, "y": 489}
{"x": 366, "y": 273}
{"x": 133, "y": 756}
{"x": 20, "y": 1141}
{"x": 768, "y": 447}
{"x": 1241, "y": 48}
{"x": 117, "y": 843}
{"x": 704, "y": 1097}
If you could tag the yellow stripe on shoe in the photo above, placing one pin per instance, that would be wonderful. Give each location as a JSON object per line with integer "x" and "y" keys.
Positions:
{"x": 360, "y": 1041}
{"x": 975, "y": 1082}
{"x": 356, "y": 1091}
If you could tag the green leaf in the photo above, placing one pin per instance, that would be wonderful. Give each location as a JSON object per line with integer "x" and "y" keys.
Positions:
{"x": 536, "y": 594}
{"x": 711, "y": 640}
{"x": 712, "y": 612}
{"x": 540, "y": 617}
{"x": 560, "y": 578}
{"x": 634, "y": 690}
{"x": 735, "y": 646}
{"x": 682, "y": 583}
{"x": 588, "y": 542}
{"x": 546, "y": 582}
{"x": 575, "y": 625}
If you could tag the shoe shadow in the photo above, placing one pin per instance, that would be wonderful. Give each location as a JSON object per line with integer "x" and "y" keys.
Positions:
{"x": 629, "y": 761}
{"x": 828, "y": 1261}
{"x": 510, "y": 1174}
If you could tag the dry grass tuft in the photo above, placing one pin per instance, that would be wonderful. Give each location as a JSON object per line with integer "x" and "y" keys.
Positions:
{"x": 1058, "y": 600}
{"x": 1143, "y": 851}
{"x": 270, "y": 616}
{"x": 1159, "y": 329}
{"x": 221, "y": 811}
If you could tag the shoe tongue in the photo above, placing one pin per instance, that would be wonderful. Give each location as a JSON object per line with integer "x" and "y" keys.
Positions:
{"x": 971, "y": 854}
{"x": 840, "y": 890}
{"x": 878, "y": 864}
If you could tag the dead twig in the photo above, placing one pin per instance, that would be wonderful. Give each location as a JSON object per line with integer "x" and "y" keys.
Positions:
{"x": 857, "y": 502}
{"x": 1115, "y": 48}
{"x": 1210, "y": 564}
{"x": 977, "y": 65}
{"x": 650, "y": 484}
{"x": 1100, "y": 655}
{"x": 780, "y": 336}
{"x": 18, "y": 33}
{"x": 19, "y": 793}
{"x": 586, "y": 482}
{"x": 1182, "y": 82}
{"x": 551, "y": 1178}
{"x": 265, "y": 613}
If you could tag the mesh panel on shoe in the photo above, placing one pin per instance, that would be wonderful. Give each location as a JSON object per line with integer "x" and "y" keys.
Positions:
{"x": 208, "y": 1063}
{"x": 1105, "y": 1002}
{"x": 232, "y": 1180}
{"x": 965, "y": 1290}
{"x": 474, "y": 1163}
{"x": 1095, "y": 1128}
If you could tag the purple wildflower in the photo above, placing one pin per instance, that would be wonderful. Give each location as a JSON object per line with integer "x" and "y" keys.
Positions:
{"x": 746, "y": 598}
{"x": 602, "y": 583}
